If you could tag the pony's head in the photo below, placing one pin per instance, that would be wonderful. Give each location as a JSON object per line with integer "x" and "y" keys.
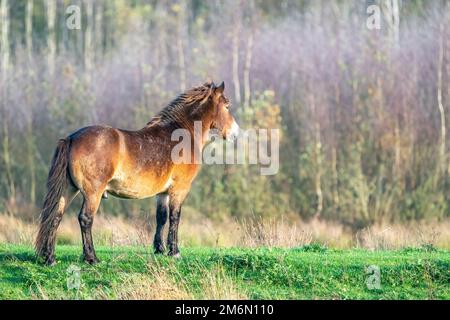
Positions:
{"x": 223, "y": 120}
{"x": 206, "y": 103}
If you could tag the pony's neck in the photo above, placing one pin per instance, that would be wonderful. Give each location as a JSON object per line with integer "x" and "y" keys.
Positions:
{"x": 200, "y": 124}
{"x": 186, "y": 118}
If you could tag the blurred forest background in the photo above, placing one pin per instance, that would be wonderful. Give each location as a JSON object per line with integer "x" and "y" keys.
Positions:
{"x": 364, "y": 113}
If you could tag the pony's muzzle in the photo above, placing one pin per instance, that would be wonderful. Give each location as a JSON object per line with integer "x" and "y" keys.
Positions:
{"x": 234, "y": 131}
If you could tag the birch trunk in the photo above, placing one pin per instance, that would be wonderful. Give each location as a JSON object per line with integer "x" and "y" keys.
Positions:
{"x": 397, "y": 151}
{"x": 180, "y": 49}
{"x": 30, "y": 136}
{"x": 79, "y": 34}
{"x": 235, "y": 52}
{"x": 98, "y": 42}
{"x": 442, "y": 150}
{"x": 247, "y": 66}
{"x": 447, "y": 51}
{"x": 4, "y": 16}
{"x": 51, "y": 36}
{"x": 317, "y": 159}
{"x": 391, "y": 11}
{"x": 29, "y": 28}
{"x": 88, "y": 48}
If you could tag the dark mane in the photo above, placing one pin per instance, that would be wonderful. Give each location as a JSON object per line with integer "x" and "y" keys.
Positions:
{"x": 175, "y": 111}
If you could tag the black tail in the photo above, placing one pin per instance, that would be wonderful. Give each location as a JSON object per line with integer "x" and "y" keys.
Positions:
{"x": 51, "y": 213}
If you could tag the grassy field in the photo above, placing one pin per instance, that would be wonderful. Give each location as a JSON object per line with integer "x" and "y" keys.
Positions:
{"x": 308, "y": 272}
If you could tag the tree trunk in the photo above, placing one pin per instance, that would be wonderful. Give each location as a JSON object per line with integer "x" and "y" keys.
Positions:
{"x": 98, "y": 42}
{"x": 235, "y": 52}
{"x": 397, "y": 151}
{"x": 447, "y": 51}
{"x": 30, "y": 136}
{"x": 248, "y": 61}
{"x": 4, "y": 16}
{"x": 79, "y": 34}
{"x": 180, "y": 49}
{"x": 29, "y": 28}
{"x": 392, "y": 14}
{"x": 317, "y": 159}
{"x": 442, "y": 147}
{"x": 4, "y": 13}
{"x": 334, "y": 169}
{"x": 51, "y": 36}
{"x": 88, "y": 48}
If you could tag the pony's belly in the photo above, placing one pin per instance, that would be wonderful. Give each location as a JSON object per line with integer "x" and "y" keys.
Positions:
{"x": 137, "y": 188}
{"x": 129, "y": 194}
{"x": 130, "y": 191}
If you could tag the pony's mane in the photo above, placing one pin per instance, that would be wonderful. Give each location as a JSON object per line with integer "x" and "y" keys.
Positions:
{"x": 176, "y": 110}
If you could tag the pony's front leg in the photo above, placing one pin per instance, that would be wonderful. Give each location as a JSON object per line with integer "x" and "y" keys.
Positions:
{"x": 172, "y": 239}
{"x": 162, "y": 209}
{"x": 175, "y": 203}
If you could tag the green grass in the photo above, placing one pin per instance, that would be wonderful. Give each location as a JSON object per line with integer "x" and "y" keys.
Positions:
{"x": 310, "y": 272}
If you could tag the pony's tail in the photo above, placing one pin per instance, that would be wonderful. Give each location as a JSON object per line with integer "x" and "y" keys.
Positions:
{"x": 52, "y": 212}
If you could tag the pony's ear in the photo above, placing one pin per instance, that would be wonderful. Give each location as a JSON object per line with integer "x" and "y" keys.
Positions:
{"x": 220, "y": 88}
{"x": 209, "y": 84}
{"x": 211, "y": 89}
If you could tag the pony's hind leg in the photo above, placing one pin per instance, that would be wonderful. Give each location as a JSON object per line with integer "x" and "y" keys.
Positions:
{"x": 86, "y": 219}
{"x": 162, "y": 210}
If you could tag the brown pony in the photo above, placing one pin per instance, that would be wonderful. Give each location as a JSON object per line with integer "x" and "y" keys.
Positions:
{"x": 98, "y": 160}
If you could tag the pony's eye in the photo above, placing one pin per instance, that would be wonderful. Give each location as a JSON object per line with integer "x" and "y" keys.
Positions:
{"x": 227, "y": 106}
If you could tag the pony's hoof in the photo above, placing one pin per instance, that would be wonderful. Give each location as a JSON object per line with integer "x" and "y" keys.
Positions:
{"x": 159, "y": 249}
{"x": 50, "y": 262}
{"x": 175, "y": 255}
{"x": 91, "y": 260}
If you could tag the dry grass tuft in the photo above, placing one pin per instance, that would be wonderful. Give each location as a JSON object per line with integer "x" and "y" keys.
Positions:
{"x": 14, "y": 230}
{"x": 274, "y": 233}
{"x": 399, "y": 236}
{"x": 166, "y": 283}
{"x": 158, "y": 286}
{"x": 256, "y": 232}
{"x": 217, "y": 285}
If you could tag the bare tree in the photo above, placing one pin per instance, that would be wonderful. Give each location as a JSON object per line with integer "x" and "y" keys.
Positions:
{"x": 317, "y": 156}
{"x": 249, "y": 51}
{"x": 29, "y": 28}
{"x": 180, "y": 22}
{"x": 392, "y": 15}
{"x": 4, "y": 17}
{"x": 51, "y": 36}
{"x": 88, "y": 46}
{"x": 98, "y": 41}
{"x": 447, "y": 54}
{"x": 235, "y": 57}
{"x": 247, "y": 65}
{"x": 442, "y": 148}
{"x": 29, "y": 114}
